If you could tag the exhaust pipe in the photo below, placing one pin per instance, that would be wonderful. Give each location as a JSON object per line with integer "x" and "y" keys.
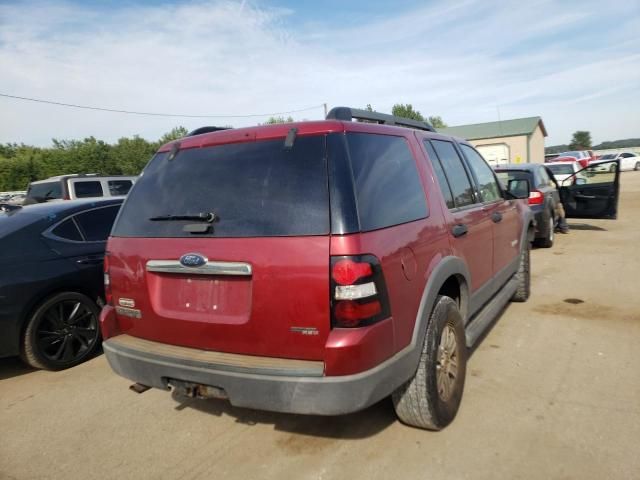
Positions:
{"x": 139, "y": 388}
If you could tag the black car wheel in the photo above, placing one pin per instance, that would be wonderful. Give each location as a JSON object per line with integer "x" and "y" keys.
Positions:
{"x": 523, "y": 276}
{"x": 547, "y": 240}
{"x": 62, "y": 332}
{"x": 637, "y": 167}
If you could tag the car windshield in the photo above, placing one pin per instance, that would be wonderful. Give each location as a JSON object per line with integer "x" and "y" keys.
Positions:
{"x": 566, "y": 169}
{"x": 505, "y": 175}
{"x": 571, "y": 154}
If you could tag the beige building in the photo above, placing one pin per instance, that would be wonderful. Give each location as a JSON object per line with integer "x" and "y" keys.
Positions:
{"x": 520, "y": 140}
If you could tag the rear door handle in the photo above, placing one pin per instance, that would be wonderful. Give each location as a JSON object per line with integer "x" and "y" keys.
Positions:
{"x": 89, "y": 260}
{"x": 459, "y": 230}
{"x": 496, "y": 217}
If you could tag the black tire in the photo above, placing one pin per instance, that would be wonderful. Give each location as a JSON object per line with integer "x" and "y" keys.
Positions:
{"x": 62, "y": 332}
{"x": 547, "y": 240}
{"x": 523, "y": 276}
{"x": 423, "y": 401}
{"x": 637, "y": 166}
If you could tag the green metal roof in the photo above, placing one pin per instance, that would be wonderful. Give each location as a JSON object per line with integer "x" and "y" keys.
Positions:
{"x": 503, "y": 128}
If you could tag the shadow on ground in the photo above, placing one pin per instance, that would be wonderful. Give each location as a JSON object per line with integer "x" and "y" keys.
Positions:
{"x": 13, "y": 367}
{"x": 366, "y": 423}
{"x": 586, "y": 226}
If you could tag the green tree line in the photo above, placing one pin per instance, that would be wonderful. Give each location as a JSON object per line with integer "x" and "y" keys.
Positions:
{"x": 21, "y": 164}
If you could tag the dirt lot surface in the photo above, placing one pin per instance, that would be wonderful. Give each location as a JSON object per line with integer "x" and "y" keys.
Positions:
{"x": 553, "y": 391}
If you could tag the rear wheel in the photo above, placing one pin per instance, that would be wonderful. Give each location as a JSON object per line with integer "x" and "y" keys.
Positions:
{"x": 62, "y": 332}
{"x": 523, "y": 276}
{"x": 547, "y": 240}
{"x": 432, "y": 397}
{"x": 637, "y": 167}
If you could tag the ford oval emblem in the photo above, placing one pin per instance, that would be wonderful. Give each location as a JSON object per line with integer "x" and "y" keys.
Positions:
{"x": 193, "y": 260}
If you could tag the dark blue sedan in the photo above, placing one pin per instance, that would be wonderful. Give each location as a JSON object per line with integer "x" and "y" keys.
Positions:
{"x": 51, "y": 280}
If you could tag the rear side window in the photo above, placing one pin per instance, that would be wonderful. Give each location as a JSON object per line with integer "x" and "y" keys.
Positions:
{"x": 487, "y": 183}
{"x": 42, "y": 192}
{"x": 87, "y": 189}
{"x": 255, "y": 189}
{"x": 96, "y": 224}
{"x": 119, "y": 187}
{"x": 68, "y": 231}
{"x": 386, "y": 181}
{"x": 455, "y": 172}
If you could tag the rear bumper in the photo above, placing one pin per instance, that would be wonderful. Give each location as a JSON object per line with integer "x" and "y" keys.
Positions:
{"x": 278, "y": 385}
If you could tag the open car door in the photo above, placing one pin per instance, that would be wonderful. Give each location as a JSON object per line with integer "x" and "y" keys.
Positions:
{"x": 592, "y": 192}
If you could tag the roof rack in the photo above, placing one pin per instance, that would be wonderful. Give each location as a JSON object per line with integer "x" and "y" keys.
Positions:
{"x": 201, "y": 130}
{"x": 348, "y": 114}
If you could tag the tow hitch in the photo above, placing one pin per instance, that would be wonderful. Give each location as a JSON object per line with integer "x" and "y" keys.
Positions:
{"x": 196, "y": 390}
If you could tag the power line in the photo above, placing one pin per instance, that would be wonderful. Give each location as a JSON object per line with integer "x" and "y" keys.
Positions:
{"x": 154, "y": 114}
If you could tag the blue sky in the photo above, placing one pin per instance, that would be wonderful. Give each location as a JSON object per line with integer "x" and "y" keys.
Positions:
{"x": 575, "y": 64}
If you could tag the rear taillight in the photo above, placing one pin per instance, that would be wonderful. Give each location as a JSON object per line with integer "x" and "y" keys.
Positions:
{"x": 536, "y": 197}
{"x": 358, "y": 291}
{"x": 107, "y": 281}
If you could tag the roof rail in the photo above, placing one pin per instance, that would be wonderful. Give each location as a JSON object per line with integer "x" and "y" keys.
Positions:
{"x": 348, "y": 114}
{"x": 201, "y": 130}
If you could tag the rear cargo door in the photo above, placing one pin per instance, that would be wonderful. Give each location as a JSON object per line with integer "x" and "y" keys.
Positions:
{"x": 226, "y": 248}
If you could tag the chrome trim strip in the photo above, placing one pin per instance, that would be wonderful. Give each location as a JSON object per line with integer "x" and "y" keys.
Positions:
{"x": 209, "y": 268}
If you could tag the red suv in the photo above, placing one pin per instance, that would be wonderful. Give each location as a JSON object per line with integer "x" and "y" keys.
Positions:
{"x": 314, "y": 267}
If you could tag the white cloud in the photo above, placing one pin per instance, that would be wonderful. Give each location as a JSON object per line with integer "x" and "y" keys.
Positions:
{"x": 459, "y": 61}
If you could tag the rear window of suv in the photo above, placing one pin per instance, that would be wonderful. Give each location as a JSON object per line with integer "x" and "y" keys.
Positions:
{"x": 42, "y": 192}
{"x": 255, "y": 189}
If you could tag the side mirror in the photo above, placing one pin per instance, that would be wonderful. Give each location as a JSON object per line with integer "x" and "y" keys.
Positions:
{"x": 518, "y": 188}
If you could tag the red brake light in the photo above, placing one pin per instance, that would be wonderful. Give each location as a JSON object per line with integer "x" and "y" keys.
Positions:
{"x": 358, "y": 291}
{"x": 347, "y": 272}
{"x": 536, "y": 197}
{"x": 350, "y": 313}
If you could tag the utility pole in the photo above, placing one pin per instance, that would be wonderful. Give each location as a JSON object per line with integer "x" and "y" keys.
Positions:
{"x": 325, "y": 110}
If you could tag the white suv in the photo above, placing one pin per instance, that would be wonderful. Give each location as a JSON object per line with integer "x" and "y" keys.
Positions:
{"x": 70, "y": 187}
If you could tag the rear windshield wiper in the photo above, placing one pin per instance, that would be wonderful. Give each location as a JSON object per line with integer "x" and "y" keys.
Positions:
{"x": 208, "y": 217}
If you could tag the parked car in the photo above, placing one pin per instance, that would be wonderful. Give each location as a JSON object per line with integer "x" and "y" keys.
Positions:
{"x": 16, "y": 198}
{"x": 628, "y": 160}
{"x": 314, "y": 267}
{"x": 583, "y": 157}
{"x": 543, "y": 196}
{"x": 562, "y": 171}
{"x": 51, "y": 280}
{"x": 70, "y": 187}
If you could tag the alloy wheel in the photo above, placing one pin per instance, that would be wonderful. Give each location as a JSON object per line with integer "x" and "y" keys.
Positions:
{"x": 66, "y": 331}
{"x": 447, "y": 365}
